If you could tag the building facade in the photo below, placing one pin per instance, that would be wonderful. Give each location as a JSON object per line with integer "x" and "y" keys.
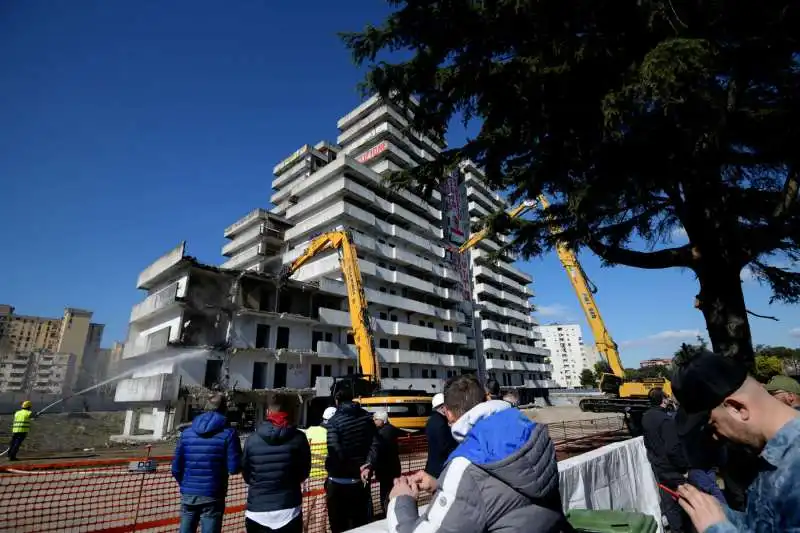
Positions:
{"x": 46, "y": 354}
{"x": 567, "y": 353}
{"x": 510, "y": 340}
{"x": 419, "y": 304}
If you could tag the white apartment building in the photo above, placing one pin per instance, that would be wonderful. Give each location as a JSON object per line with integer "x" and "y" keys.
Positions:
{"x": 419, "y": 300}
{"x": 567, "y": 354}
{"x": 511, "y": 343}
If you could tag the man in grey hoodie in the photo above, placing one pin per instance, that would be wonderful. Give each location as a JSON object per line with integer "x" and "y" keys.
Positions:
{"x": 502, "y": 476}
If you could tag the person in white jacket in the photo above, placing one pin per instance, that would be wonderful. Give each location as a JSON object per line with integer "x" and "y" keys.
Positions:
{"x": 502, "y": 476}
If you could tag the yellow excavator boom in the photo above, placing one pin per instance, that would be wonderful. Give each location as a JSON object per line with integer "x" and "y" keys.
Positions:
{"x": 342, "y": 241}
{"x": 580, "y": 283}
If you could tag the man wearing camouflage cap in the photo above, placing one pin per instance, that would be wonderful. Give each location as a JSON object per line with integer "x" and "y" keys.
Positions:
{"x": 786, "y": 390}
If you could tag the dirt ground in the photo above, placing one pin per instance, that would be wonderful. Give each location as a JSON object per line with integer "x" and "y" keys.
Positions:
{"x": 66, "y": 432}
{"x": 68, "y": 435}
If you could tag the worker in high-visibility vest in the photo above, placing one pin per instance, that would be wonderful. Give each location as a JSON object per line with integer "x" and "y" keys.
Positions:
{"x": 20, "y": 428}
{"x": 318, "y": 439}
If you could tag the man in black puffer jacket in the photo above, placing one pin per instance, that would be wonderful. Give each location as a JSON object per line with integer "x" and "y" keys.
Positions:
{"x": 352, "y": 444}
{"x": 276, "y": 461}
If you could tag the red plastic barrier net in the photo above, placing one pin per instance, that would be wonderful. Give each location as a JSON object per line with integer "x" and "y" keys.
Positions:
{"x": 107, "y": 496}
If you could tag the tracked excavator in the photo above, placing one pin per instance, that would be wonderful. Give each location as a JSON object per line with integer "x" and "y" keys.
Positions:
{"x": 621, "y": 395}
{"x": 407, "y": 409}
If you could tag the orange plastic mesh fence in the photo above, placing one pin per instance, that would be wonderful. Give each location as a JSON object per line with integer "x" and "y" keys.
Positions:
{"x": 111, "y": 496}
{"x": 108, "y": 496}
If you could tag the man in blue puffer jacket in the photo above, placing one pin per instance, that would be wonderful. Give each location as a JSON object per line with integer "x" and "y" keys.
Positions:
{"x": 207, "y": 453}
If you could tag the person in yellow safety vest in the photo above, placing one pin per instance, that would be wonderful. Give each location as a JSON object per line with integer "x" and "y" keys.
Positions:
{"x": 318, "y": 439}
{"x": 20, "y": 428}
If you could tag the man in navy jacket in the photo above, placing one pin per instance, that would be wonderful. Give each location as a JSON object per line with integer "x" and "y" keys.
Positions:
{"x": 277, "y": 460}
{"x": 207, "y": 453}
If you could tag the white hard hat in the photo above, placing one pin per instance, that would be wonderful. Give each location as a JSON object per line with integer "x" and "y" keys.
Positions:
{"x": 438, "y": 400}
{"x": 381, "y": 415}
{"x": 328, "y": 413}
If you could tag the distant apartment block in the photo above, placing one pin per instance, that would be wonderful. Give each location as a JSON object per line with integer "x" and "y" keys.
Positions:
{"x": 53, "y": 353}
{"x": 567, "y": 353}
{"x": 591, "y": 356}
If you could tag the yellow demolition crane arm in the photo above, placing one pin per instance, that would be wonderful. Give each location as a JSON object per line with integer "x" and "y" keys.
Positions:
{"x": 605, "y": 344}
{"x": 580, "y": 283}
{"x": 342, "y": 241}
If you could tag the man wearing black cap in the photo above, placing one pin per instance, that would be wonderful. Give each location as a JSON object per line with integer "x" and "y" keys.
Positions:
{"x": 718, "y": 390}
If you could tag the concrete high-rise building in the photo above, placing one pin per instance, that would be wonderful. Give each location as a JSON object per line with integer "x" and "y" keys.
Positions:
{"x": 565, "y": 343}
{"x": 418, "y": 298}
{"x": 29, "y": 343}
{"x": 511, "y": 343}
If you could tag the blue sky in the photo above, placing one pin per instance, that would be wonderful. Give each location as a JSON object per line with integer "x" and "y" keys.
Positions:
{"x": 130, "y": 126}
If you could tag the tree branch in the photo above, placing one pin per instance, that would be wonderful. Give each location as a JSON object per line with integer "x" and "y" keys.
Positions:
{"x": 671, "y": 257}
{"x": 789, "y": 194}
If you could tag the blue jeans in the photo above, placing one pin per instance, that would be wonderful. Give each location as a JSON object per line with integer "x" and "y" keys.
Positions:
{"x": 203, "y": 511}
{"x": 706, "y": 480}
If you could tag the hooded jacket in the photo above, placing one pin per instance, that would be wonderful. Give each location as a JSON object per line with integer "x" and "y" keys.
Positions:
{"x": 502, "y": 476}
{"x": 352, "y": 441}
{"x": 207, "y": 453}
{"x": 440, "y": 443}
{"x": 276, "y": 461}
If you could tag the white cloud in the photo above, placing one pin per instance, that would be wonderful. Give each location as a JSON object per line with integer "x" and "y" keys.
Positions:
{"x": 666, "y": 335}
{"x": 553, "y": 311}
{"x": 794, "y": 332}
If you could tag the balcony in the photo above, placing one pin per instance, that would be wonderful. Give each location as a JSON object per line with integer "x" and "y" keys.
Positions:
{"x": 477, "y": 209}
{"x": 265, "y": 230}
{"x": 386, "y": 131}
{"x": 394, "y": 301}
{"x": 488, "y": 308}
{"x": 159, "y": 300}
{"x": 343, "y": 186}
{"x": 161, "y": 267}
{"x": 528, "y": 333}
{"x": 328, "y": 265}
{"x": 141, "y": 345}
{"x": 335, "y": 317}
{"x": 246, "y": 258}
{"x": 484, "y": 290}
{"x": 516, "y": 366}
{"x": 492, "y": 203}
{"x": 312, "y": 184}
{"x": 487, "y": 272}
{"x": 482, "y": 256}
{"x": 389, "y": 356}
{"x": 382, "y": 114}
{"x": 511, "y": 347}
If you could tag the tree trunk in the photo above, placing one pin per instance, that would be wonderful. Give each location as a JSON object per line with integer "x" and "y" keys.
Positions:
{"x": 721, "y": 301}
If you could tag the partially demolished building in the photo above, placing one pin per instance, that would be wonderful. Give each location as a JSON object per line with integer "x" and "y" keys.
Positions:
{"x": 426, "y": 315}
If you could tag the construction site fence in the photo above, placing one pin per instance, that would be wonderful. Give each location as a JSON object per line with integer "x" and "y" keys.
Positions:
{"x": 126, "y": 495}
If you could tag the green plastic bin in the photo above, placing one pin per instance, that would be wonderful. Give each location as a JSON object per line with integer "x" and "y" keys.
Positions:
{"x": 588, "y": 521}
